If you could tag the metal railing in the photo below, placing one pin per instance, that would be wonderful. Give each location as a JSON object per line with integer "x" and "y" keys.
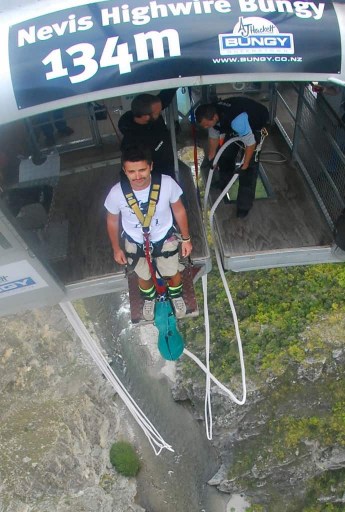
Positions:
{"x": 75, "y": 127}
{"x": 316, "y": 137}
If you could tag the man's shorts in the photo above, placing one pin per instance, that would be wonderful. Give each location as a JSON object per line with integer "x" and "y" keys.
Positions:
{"x": 167, "y": 267}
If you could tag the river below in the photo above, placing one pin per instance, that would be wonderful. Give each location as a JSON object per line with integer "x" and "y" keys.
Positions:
{"x": 173, "y": 481}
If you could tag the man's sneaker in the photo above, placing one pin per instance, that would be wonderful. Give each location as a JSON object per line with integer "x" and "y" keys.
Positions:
{"x": 179, "y": 307}
{"x": 149, "y": 310}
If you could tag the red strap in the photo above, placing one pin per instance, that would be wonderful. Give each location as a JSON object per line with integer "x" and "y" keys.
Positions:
{"x": 196, "y": 164}
{"x": 161, "y": 289}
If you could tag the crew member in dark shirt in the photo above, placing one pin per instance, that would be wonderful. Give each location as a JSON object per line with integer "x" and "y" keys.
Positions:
{"x": 144, "y": 124}
{"x": 241, "y": 117}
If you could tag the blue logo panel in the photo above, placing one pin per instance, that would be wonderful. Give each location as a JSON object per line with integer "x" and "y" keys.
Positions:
{"x": 17, "y": 284}
{"x": 268, "y": 44}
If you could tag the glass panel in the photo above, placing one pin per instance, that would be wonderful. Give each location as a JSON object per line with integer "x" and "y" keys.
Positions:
{"x": 4, "y": 243}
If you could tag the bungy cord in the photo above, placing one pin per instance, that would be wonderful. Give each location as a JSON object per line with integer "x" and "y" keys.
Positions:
{"x": 155, "y": 439}
{"x": 206, "y": 368}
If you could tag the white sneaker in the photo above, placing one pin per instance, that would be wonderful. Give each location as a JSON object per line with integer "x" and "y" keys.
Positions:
{"x": 149, "y": 310}
{"x": 179, "y": 307}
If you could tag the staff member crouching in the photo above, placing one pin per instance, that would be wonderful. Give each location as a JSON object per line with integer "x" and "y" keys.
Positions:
{"x": 235, "y": 117}
{"x": 138, "y": 183}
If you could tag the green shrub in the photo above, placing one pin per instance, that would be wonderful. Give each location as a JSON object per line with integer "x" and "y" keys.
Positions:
{"x": 124, "y": 458}
{"x": 274, "y": 307}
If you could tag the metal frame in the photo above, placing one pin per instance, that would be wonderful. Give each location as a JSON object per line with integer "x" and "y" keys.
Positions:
{"x": 295, "y": 146}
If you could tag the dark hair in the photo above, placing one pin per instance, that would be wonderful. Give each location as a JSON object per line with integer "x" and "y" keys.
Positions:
{"x": 136, "y": 154}
{"x": 141, "y": 104}
{"x": 205, "y": 111}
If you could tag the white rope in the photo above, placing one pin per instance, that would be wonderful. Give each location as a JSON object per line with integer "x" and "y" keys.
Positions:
{"x": 210, "y": 175}
{"x": 206, "y": 368}
{"x": 266, "y": 161}
{"x": 155, "y": 439}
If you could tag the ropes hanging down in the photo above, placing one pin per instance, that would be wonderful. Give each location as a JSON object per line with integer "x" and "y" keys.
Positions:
{"x": 206, "y": 367}
{"x": 234, "y": 140}
{"x": 155, "y": 439}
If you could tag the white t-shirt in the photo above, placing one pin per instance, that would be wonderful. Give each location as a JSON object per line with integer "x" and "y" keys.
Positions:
{"x": 162, "y": 220}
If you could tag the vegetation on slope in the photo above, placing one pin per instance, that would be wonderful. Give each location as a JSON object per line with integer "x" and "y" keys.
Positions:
{"x": 292, "y": 321}
{"x": 274, "y": 308}
{"x": 124, "y": 458}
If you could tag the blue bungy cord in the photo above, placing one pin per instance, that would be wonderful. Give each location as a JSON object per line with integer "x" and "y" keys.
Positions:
{"x": 170, "y": 341}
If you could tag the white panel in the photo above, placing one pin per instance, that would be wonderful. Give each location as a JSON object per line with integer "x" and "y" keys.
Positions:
{"x": 19, "y": 277}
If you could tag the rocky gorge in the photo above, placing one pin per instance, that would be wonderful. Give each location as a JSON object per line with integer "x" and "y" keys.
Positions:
{"x": 59, "y": 418}
{"x": 285, "y": 448}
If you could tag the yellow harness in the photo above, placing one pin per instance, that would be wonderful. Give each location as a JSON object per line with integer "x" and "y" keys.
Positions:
{"x": 145, "y": 220}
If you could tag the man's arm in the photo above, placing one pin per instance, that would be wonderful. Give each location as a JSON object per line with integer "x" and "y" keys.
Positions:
{"x": 180, "y": 215}
{"x": 248, "y": 153}
{"x": 125, "y": 122}
{"x": 212, "y": 148}
{"x": 113, "y": 227}
{"x": 241, "y": 126}
{"x": 166, "y": 97}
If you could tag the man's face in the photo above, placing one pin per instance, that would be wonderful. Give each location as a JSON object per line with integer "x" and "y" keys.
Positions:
{"x": 156, "y": 109}
{"x": 209, "y": 123}
{"x": 138, "y": 173}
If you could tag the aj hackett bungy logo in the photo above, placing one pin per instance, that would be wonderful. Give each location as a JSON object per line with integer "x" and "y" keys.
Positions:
{"x": 253, "y": 36}
{"x": 16, "y": 285}
{"x": 19, "y": 277}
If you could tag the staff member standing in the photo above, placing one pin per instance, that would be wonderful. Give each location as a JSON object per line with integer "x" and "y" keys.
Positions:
{"x": 235, "y": 117}
{"x": 144, "y": 124}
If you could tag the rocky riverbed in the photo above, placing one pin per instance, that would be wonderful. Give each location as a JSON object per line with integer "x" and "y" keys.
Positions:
{"x": 59, "y": 418}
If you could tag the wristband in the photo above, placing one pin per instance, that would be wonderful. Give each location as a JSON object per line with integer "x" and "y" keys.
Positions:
{"x": 187, "y": 239}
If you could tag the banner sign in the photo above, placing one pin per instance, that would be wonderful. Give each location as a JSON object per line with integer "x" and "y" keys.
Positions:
{"x": 18, "y": 278}
{"x": 107, "y": 44}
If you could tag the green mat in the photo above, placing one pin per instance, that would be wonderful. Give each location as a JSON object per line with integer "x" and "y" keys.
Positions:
{"x": 260, "y": 191}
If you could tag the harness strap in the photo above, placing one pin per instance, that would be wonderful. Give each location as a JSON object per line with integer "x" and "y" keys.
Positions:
{"x": 145, "y": 220}
{"x": 156, "y": 247}
{"x": 193, "y": 123}
{"x": 156, "y": 252}
{"x": 161, "y": 289}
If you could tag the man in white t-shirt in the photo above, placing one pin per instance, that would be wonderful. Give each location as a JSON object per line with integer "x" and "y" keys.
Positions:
{"x": 137, "y": 167}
